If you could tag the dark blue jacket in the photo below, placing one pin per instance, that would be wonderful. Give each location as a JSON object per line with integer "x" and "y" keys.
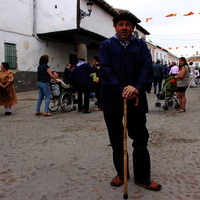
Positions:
{"x": 120, "y": 67}
{"x": 158, "y": 70}
{"x": 80, "y": 77}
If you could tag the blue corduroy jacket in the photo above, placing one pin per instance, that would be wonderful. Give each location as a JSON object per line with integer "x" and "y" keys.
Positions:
{"x": 120, "y": 67}
{"x": 80, "y": 77}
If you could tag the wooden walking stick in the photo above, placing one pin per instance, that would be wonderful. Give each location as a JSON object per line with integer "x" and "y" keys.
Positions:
{"x": 125, "y": 151}
{"x": 125, "y": 147}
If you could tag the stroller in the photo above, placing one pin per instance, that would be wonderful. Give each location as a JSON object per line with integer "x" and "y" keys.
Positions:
{"x": 168, "y": 93}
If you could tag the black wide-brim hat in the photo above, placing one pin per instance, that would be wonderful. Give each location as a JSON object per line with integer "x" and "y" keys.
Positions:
{"x": 127, "y": 17}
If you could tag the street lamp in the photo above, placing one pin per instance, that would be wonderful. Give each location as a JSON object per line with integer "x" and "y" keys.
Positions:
{"x": 89, "y": 7}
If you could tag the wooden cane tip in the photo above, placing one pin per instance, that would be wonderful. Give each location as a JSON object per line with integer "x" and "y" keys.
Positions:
{"x": 125, "y": 196}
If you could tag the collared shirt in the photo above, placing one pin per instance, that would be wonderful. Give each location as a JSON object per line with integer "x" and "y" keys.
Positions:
{"x": 80, "y": 63}
{"x": 68, "y": 68}
{"x": 124, "y": 44}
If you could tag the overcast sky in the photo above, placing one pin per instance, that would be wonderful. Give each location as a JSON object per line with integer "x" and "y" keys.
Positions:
{"x": 178, "y": 31}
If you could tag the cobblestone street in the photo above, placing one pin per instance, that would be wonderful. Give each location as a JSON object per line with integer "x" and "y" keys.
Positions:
{"x": 68, "y": 157}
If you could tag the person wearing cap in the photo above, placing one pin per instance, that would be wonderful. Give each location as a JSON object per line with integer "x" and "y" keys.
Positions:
{"x": 125, "y": 72}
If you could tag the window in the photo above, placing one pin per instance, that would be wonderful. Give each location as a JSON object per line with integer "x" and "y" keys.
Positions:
{"x": 10, "y": 55}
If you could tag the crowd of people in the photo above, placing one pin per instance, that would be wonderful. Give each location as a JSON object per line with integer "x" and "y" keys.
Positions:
{"x": 162, "y": 72}
{"x": 123, "y": 69}
{"x": 181, "y": 72}
{"x": 85, "y": 79}
{"x": 81, "y": 78}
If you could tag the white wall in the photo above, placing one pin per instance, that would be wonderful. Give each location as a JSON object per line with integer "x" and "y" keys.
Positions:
{"x": 158, "y": 53}
{"x": 29, "y": 51}
{"x": 99, "y": 22}
{"x": 141, "y": 34}
{"x": 50, "y": 19}
{"x": 16, "y": 16}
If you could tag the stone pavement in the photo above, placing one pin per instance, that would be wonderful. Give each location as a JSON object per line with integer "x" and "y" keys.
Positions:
{"x": 67, "y": 157}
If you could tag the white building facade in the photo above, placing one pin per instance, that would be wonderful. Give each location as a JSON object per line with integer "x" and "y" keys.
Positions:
{"x": 161, "y": 54}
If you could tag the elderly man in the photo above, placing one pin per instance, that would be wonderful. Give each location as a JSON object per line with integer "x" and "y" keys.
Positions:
{"x": 125, "y": 72}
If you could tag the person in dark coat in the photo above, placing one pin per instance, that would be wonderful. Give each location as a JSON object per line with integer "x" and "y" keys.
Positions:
{"x": 158, "y": 76}
{"x": 125, "y": 72}
{"x": 67, "y": 72}
{"x": 81, "y": 80}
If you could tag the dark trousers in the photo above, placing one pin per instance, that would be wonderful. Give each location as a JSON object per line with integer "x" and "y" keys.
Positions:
{"x": 85, "y": 105}
{"x": 157, "y": 81}
{"x": 97, "y": 90}
{"x": 138, "y": 132}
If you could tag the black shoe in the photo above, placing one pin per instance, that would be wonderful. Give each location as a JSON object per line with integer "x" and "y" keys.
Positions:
{"x": 8, "y": 113}
{"x": 85, "y": 111}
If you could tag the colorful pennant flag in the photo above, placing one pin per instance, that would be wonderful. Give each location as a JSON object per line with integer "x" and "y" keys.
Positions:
{"x": 171, "y": 15}
{"x": 170, "y": 48}
{"x": 188, "y": 14}
{"x": 147, "y": 19}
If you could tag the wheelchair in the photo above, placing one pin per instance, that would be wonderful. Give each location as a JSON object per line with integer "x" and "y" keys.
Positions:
{"x": 66, "y": 101}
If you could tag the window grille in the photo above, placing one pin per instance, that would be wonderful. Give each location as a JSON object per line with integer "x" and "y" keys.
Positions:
{"x": 11, "y": 55}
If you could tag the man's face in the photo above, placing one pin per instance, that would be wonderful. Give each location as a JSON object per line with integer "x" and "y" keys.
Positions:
{"x": 124, "y": 29}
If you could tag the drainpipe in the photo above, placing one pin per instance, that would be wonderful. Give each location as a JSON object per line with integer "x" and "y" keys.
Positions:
{"x": 34, "y": 22}
{"x": 78, "y": 14}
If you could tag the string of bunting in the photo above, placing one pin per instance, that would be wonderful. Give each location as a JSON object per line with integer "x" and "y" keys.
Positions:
{"x": 170, "y": 48}
{"x": 173, "y": 15}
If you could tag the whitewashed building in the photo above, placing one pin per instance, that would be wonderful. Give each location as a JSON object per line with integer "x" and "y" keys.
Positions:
{"x": 195, "y": 60}
{"x": 162, "y": 54}
{"x": 61, "y": 29}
